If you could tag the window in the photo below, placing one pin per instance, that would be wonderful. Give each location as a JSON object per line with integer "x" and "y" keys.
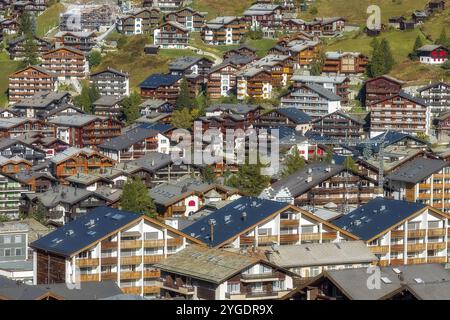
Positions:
{"x": 278, "y": 285}
{"x": 7, "y": 252}
{"x": 413, "y": 225}
{"x": 264, "y": 269}
{"x": 7, "y": 239}
{"x": 17, "y": 239}
{"x": 234, "y": 287}
{"x": 256, "y": 287}
{"x": 433, "y": 224}
{"x": 151, "y": 235}
{"x": 307, "y": 229}
{"x": 191, "y": 203}
{"x": 264, "y": 232}
{"x": 18, "y": 251}
{"x": 314, "y": 271}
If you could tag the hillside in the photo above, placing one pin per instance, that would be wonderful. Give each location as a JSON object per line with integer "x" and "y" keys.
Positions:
{"x": 131, "y": 58}
{"x": 221, "y": 8}
{"x": 355, "y": 10}
{"x": 401, "y": 43}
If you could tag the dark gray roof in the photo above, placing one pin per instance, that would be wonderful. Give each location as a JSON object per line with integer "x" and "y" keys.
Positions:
{"x": 297, "y": 183}
{"x": 238, "y": 108}
{"x": 295, "y": 115}
{"x": 87, "y": 291}
{"x": 110, "y": 100}
{"x": 128, "y": 138}
{"x": 322, "y": 254}
{"x": 157, "y": 80}
{"x": 432, "y": 85}
{"x": 182, "y": 63}
{"x": 120, "y": 73}
{"x": 211, "y": 265}
{"x": 375, "y": 217}
{"x": 85, "y": 230}
{"x": 354, "y": 281}
{"x": 232, "y": 219}
{"x": 417, "y": 170}
{"x": 152, "y": 161}
{"x": 320, "y": 90}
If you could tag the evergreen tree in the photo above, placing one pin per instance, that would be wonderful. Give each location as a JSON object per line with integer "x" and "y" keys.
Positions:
{"x": 208, "y": 174}
{"x": 350, "y": 164}
{"x": 374, "y": 43}
{"x": 443, "y": 40}
{"x": 85, "y": 100}
{"x": 135, "y": 198}
{"x": 376, "y": 65}
{"x": 387, "y": 57}
{"x": 249, "y": 179}
{"x": 294, "y": 162}
{"x": 25, "y": 25}
{"x": 317, "y": 64}
{"x": 184, "y": 100}
{"x": 94, "y": 58}
{"x": 39, "y": 213}
{"x": 31, "y": 56}
{"x": 182, "y": 119}
{"x": 417, "y": 44}
{"x": 329, "y": 155}
{"x": 130, "y": 107}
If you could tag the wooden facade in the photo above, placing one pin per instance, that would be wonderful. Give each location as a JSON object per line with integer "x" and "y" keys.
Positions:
{"x": 380, "y": 88}
{"x": 221, "y": 81}
{"x": 140, "y": 22}
{"x": 224, "y": 31}
{"x": 33, "y": 79}
{"x": 67, "y": 63}
{"x": 345, "y": 63}
{"x": 189, "y": 18}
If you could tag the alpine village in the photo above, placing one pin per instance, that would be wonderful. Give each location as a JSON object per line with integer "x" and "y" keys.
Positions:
{"x": 97, "y": 96}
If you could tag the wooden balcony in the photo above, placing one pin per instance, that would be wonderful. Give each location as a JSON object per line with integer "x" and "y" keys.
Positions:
{"x": 106, "y": 261}
{"x": 416, "y": 260}
{"x": 246, "y": 240}
{"x": 89, "y": 277}
{"x": 178, "y": 208}
{"x": 87, "y": 262}
{"x": 130, "y": 260}
{"x": 397, "y": 234}
{"x": 174, "y": 242}
{"x": 417, "y": 233}
{"x": 151, "y": 290}
{"x": 131, "y": 290}
{"x": 383, "y": 263}
{"x": 379, "y": 249}
{"x": 109, "y": 276}
{"x": 289, "y": 238}
{"x": 267, "y": 239}
{"x": 131, "y": 275}
{"x": 436, "y": 232}
{"x": 329, "y": 235}
{"x": 106, "y": 245}
{"x": 436, "y": 246}
{"x": 416, "y": 247}
{"x": 397, "y": 247}
{"x": 289, "y": 223}
{"x": 437, "y": 259}
{"x": 130, "y": 244}
{"x": 152, "y": 273}
{"x": 310, "y": 236}
{"x": 397, "y": 262}
{"x": 154, "y": 243}
{"x": 153, "y": 259}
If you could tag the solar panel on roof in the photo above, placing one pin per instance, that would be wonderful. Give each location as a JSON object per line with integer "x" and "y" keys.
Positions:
{"x": 117, "y": 216}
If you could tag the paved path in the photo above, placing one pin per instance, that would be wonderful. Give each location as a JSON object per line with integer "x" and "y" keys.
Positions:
{"x": 217, "y": 59}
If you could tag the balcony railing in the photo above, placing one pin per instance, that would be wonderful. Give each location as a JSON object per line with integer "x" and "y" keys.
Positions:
{"x": 130, "y": 244}
{"x": 153, "y": 259}
{"x": 131, "y": 260}
{"x": 109, "y": 276}
{"x": 82, "y": 262}
{"x": 131, "y": 275}
{"x": 89, "y": 277}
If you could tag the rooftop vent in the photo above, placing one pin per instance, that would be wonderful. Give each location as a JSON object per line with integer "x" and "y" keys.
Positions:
{"x": 396, "y": 270}
{"x": 418, "y": 280}
{"x": 70, "y": 232}
{"x": 386, "y": 280}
